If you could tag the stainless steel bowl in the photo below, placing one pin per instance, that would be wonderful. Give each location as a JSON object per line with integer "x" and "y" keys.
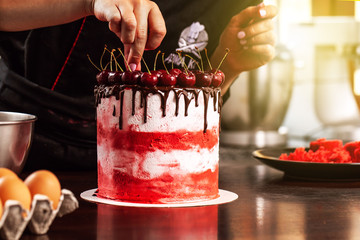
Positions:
{"x": 16, "y": 131}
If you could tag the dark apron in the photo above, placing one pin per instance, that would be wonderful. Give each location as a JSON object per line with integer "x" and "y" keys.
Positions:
{"x": 63, "y": 138}
{"x": 65, "y": 132}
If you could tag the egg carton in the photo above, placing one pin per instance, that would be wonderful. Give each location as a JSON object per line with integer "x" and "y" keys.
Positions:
{"x": 15, "y": 218}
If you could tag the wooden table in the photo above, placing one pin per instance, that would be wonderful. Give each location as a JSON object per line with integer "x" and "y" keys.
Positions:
{"x": 269, "y": 207}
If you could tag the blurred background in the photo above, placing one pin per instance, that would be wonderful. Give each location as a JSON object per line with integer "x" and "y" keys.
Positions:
{"x": 311, "y": 89}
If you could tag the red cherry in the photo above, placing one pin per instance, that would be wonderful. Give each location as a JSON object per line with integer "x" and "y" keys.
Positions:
{"x": 175, "y": 71}
{"x": 162, "y": 71}
{"x": 158, "y": 72}
{"x": 204, "y": 79}
{"x": 126, "y": 77}
{"x": 136, "y": 77}
{"x": 115, "y": 77}
{"x": 218, "y": 79}
{"x": 131, "y": 78}
{"x": 148, "y": 79}
{"x": 167, "y": 79}
{"x": 186, "y": 79}
{"x": 102, "y": 77}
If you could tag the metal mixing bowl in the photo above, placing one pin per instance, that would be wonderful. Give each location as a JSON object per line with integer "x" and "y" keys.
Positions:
{"x": 16, "y": 131}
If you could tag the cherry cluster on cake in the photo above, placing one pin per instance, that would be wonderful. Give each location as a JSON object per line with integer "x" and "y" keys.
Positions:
{"x": 174, "y": 77}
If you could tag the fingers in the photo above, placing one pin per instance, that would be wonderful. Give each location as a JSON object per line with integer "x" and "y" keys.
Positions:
{"x": 138, "y": 23}
{"x": 259, "y": 30}
{"x": 133, "y": 56}
{"x": 263, "y": 38}
{"x": 252, "y": 15}
{"x": 157, "y": 28}
{"x": 136, "y": 46}
{"x": 258, "y": 33}
{"x": 129, "y": 23}
{"x": 150, "y": 31}
{"x": 123, "y": 22}
{"x": 105, "y": 11}
{"x": 268, "y": 11}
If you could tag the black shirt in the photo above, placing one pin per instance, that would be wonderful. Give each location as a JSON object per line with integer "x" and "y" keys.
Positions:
{"x": 32, "y": 61}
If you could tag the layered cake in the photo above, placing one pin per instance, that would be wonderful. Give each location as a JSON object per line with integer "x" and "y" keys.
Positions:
{"x": 158, "y": 140}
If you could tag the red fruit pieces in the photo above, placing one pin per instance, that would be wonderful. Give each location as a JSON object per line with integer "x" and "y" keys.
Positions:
{"x": 356, "y": 156}
{"x": 298, "y": 155}
{"x": 339, "y": 155}
{"x": 354, "y": 149}
{"x": 326, "y": 151}
{"x": 326, "y": 144}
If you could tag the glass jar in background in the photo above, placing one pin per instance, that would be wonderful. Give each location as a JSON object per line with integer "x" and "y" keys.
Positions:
{"x": 335, "y": 104}
{"x": 334, "y": 101}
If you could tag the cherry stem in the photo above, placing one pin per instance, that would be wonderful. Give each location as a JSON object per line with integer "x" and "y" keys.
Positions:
{"x": 207, "y": 57}
{"x": 156, "y": 57}
{"x": 146, "y": 65}
{"x": 197, "y": 64}
{"x": 126, "y": 62}
{"x": 102, "y": 56}
{"x": 201, "y": 60}
{"x": 107, "y": 65}
{"x": 162, "y": 57}
{"x": 183, "y": 62}
{"x": 222, "y": 60}
{"x": 117, "y": 65}
{"x": 111, "y": 61}
{"x": 93, "y": 63}
{"x": 172, "y": 62}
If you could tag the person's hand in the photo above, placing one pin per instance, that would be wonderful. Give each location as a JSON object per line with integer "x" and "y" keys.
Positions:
{"x": 250, "y": 38}
{"x": 138, "y": 23}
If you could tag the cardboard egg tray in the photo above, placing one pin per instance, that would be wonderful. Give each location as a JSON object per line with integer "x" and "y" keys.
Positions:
{"x": 15, "y": 219}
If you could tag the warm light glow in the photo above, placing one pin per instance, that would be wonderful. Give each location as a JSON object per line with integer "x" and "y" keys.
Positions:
{"x": 357, "y": 82}
{"x": 357, "y": 11}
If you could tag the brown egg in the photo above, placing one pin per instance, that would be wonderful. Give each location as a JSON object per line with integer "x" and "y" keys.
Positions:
{"x": 13, "y": 188}
{"x": 46, "y": 183}
{"x": 6, "y": 172}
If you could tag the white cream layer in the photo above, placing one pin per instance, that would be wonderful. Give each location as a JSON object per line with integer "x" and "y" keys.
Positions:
{"x": 156, "y": 122}
{"x": 154, "y": 164}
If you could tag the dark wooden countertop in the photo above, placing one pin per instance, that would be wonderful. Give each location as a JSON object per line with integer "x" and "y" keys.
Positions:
{"x": 269, "y": 207}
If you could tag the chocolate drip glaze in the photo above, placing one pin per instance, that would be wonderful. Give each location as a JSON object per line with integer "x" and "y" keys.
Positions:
{"x": 121, "y": 109}
{"x": 206, "y": 100}
{"x": 188, "y": 94}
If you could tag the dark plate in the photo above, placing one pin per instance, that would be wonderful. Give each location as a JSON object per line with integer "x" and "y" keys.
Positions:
{"x": 308, "y": 170}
